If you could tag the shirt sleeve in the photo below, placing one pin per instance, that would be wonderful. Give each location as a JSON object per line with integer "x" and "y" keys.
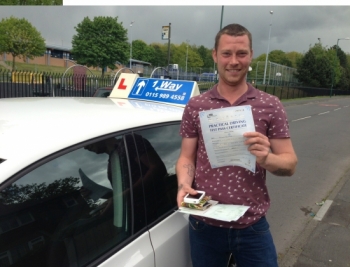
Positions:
{"x": 279, "y": 126}
{"x": 188, "y": 127}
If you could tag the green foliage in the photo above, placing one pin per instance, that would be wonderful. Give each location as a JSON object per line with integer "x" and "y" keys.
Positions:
{"x": 182, "y": 51}
{"x": 293, "y": 57}
{"x": 319, "y": 67}
{"x": 160, "y": 56}
{"x": 341, "y": 56}
{"x": 344, "y": 81}
{"x": 32, "y": 2}
{"x": 195, "y": 56}
{"x": 100, "y": 42}
{"x": 142, "y": 51}
{"x": 262, "y": 57}
{"x": 276, "y": 56}
{"x": 279, "y": 57}
{"x": 16, "y": 194}
{"x": 206, "y": 56}
{"x": 19, "y": 38}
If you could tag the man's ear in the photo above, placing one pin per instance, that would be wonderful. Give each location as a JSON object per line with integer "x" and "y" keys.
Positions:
{"x": 214, "y": 55}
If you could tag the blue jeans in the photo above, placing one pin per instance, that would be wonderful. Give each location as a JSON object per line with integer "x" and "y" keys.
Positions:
{"x": 251, "y": 247}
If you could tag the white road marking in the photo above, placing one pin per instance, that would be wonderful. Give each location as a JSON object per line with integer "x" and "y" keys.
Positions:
{"x": 322, "y": 211}
{"x": 302, "y": 118}
{"x": 323, "y": 113}
{"x": 320, "y": 113}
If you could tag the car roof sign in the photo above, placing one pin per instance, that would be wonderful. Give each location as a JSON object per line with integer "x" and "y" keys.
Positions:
{"x": 174, "y": 92}
{"x": 124, "y": 85}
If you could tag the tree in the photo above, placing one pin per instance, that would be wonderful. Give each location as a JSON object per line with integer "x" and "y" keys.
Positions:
{"x": 16, "y": 194}
{"x": 100, "y": 42}
{"x": 206, "y": 55}
{"x": 279, "y": 57}
{"x": 180, "y": 52}
{"x": 142, "y": 51}
{"x": 275, "y": 56}
{"x": 318, "y": 67}
{"x": 160, "y": 55}
{"x": 19, "y": 38}
{"x": 344, "y": 81}
{"x": 294, "y": 57}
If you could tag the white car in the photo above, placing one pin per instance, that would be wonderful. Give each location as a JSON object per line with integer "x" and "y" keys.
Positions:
{"x": 90, "y": 182}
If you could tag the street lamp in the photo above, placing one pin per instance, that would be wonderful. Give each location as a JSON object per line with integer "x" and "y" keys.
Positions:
{"x": 131, "y": 23}
{"x": 268, "y": 45}
{"x": 222, "y": 15}
{"x": 336, "y": 53}
{"x": 186, "y": 55}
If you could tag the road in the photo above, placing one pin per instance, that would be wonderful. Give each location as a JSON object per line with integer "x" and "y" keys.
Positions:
{"x": 320, "y": 130}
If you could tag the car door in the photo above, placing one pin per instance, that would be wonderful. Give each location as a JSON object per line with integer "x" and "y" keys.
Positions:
{"x": 76, "y": 208}
{"x": 168, "y": 228}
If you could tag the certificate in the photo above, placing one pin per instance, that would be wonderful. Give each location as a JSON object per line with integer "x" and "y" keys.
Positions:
{"x": 222, "y": 212}
{"x": 223, "y": 131}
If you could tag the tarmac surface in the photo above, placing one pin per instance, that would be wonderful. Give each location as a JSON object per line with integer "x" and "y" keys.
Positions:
{"x": 325, "y": 241}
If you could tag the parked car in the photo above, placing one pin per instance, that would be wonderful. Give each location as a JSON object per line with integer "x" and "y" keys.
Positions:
{"x": 77, "y": 189}
{"x": 103, "y": 92}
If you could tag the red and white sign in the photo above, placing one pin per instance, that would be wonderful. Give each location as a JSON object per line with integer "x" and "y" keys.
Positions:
{"x": 124, "y": 85}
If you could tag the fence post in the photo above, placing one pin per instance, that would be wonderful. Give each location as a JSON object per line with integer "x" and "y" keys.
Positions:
{"x": 281, "y": 93}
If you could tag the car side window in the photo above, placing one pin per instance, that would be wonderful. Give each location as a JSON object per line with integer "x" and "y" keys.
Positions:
{"x": 70, "y": 210}
{"x": 159, "y": 148}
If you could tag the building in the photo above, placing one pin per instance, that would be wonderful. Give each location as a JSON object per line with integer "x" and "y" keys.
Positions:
{"x": 62, "y": 57}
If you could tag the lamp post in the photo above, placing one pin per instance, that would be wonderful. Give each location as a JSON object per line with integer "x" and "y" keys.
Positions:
{"x": 186, "y": 55}
{"x": 268, "y": 46}
{"x": 222, "y": 15}
{"x": 336, "y": 53}
{"x": 131, "y": 23}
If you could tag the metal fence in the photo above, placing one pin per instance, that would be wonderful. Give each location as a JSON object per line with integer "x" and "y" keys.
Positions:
{"x": 276, "y": 74}
{"x": 25, "y": 84}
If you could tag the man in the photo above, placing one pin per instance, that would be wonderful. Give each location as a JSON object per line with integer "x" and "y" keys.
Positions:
{"x": 248, "y": 239}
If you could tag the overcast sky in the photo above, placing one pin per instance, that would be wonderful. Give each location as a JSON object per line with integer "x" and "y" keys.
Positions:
{"x": 294, "y": 28}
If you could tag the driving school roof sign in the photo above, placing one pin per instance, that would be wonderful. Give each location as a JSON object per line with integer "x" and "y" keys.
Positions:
{"x": 156, "y": 90}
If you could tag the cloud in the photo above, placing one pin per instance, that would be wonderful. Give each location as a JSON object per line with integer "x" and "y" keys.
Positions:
{"x": 294, "y": 28}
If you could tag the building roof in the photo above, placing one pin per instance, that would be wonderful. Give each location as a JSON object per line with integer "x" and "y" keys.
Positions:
{"x": 139, "y": 61}
{"x": 62, "y": 48}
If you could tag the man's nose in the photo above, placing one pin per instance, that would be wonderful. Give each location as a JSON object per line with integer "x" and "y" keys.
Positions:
{"x": 233, "y": 60}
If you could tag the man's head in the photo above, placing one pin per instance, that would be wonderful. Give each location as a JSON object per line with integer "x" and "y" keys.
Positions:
{"x": 233, "y": 30}
{"x": 233, "y": 54}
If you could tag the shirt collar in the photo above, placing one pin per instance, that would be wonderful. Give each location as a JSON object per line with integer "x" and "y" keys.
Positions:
{"x": 250, "y": 94}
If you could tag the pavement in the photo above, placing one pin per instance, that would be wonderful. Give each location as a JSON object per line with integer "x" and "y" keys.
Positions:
{"x": 325, "y": 240}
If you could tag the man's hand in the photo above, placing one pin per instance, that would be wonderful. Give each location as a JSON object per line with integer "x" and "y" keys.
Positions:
{"x": 275, "y": 155}
{"x": 182, "y": 191}
{"x": 258, "y": 145}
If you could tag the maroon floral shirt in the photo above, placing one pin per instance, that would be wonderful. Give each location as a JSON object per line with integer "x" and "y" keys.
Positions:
{"x": 234, "y": 184}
